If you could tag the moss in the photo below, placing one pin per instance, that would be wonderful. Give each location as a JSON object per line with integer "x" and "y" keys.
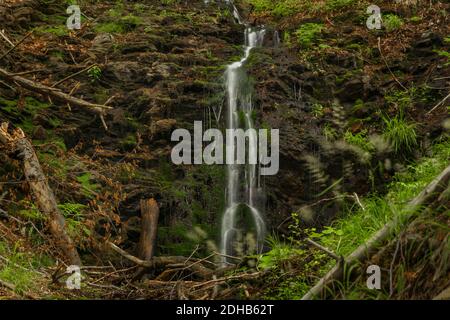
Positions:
{"x": 22, "y": 268}
{"x": 192, "y": 200}
{"x": 59, "y": 30}
{"x": 120, "y": 23}
{"x": 56, "y": 141}
{"x": 349, "y": 74}
{"x": 87, "y": 187}
{"x": 54, "y": 122}
{"x": 332, "y": 5}
{"x": 23, "y": 112}
{"x": 58, "y": 165}
{"x": 258, "y": 58}
{"x": 129, "y": 141}
{"x": 30, "y": 106}
{"x": 284, "y": 8}
{"x": 174, "y": 239}
{"x": 110, "y": 27}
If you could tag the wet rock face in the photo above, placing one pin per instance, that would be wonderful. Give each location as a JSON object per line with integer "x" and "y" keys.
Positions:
{"x": 315, "y": 102}
{"x": 160, "y": 68}
{"x": 165, "y": 71}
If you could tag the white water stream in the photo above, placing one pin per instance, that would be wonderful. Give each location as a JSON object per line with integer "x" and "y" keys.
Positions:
{"x": 243, "y": 184}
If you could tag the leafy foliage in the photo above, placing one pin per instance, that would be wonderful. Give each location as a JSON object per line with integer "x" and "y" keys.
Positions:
{"x": 89, "y": 189}
{"x": 308, "y": 34}
{"x": 360, "y": 140}
{"x": 400, "y": 134}
{"x": 392, "y": 22}
{"x": 94, "y": 73}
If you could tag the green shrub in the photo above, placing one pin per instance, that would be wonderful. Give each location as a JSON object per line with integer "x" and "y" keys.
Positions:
{"x": 392, "y": 22}
{"x": 401, "y": 99}
{"x": 400, "y": 134}
{"x": 94, "y": 73}
{"x": 445, "y": 54}
{"x": 317, "y": 110}
{"x": 360, "y": 140}
{"x": 279, "y": 253}
{"x": 262, "y": 5}
{"x": 281, "y": 8}
{"x": 308, "y": 33}
{"x": 332, "y": 5}
{"x": 286, "y": 8}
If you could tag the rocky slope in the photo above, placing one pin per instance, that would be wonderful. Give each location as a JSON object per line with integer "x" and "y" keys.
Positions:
{"x": 354, "y": 106}
{"x": 334, "y": 86}
{"x": 160, "y": 67}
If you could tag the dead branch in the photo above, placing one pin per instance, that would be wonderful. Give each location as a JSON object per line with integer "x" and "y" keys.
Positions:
{"x": 387, "y": 65}
{"x": 322, "y": 248}
{"x": 136, "y": 260}
{"x": 167, "y": 261}
{"x": 440, "y": 102}
{"x": 52, "y": 92}
{"x": 243, "y": 276}
{"x": 72, "y": 75}
{"x": 16, "y": 45}
{"x": 41, "y": 191}
{"x": 367, "y": 249}
{"x": 6, "y": 38}
{"x": 199, "y": 287}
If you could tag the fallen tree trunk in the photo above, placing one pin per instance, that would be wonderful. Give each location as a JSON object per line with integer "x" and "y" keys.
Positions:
{"x": 364, "y": 251}
{"x": 41, "y": 191}
{"x": 52, "y": 92}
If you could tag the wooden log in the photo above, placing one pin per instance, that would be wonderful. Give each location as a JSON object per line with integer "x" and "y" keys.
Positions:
{"x": 149, "y": 227}
{"x": 52, "y": 92}
{"x": 365, "y": 250}
{"x": 44, "y": 197}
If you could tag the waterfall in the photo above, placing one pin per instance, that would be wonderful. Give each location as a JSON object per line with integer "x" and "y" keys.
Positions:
{"x": 243, "y": 185}
{"x": 276, "y": 39}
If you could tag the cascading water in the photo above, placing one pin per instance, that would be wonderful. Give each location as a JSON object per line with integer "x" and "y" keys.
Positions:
{"x": 243, "y": 184}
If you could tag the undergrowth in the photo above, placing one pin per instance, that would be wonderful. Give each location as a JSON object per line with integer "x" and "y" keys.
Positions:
{"x": 356, "y": 224}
